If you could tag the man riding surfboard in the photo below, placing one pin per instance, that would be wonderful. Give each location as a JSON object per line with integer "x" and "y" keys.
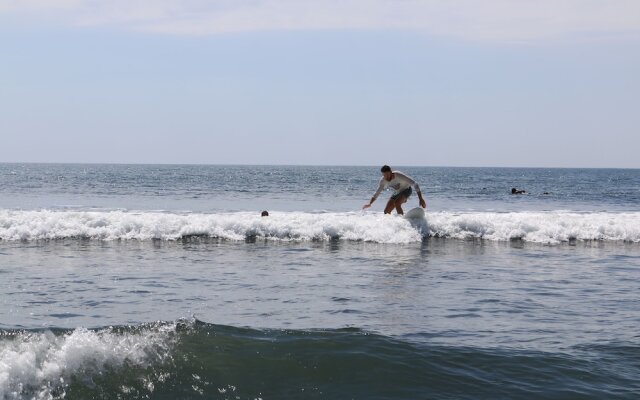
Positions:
{"x": 401, "y": 183}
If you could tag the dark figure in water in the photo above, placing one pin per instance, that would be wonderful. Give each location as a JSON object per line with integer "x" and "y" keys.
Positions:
{"x": 517, "y": 191}
{"x": 265, "y": 213}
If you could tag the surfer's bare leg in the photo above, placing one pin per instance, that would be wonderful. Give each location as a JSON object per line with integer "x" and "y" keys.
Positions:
{"x": 391, "y": 204}
{"x": 398, "y": 204}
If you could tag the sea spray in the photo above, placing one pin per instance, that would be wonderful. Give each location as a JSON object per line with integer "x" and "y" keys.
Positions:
{"x": 45, "y": 364}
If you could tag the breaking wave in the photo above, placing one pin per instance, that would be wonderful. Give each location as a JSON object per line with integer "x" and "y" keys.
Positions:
{"x": 538, "y": 227}
{"x": 196, "y": 360}
{"x": 46, "y": 364}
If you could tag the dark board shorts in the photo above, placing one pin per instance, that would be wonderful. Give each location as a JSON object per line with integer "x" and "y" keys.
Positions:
{"x": 406, "y": 193}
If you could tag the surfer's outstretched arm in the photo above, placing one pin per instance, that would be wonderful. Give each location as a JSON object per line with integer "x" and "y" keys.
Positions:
{"x": 423, "y": 203}
{"x": 370, "y": 203}
{"x": 375, "y": 196}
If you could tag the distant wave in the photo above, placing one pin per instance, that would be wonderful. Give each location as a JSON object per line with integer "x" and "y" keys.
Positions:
{"x": 538, "y": 227}
{"x": 195, "y": 360}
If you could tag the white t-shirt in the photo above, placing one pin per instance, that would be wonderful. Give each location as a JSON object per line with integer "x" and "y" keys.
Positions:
{"x": 398, "y": 183}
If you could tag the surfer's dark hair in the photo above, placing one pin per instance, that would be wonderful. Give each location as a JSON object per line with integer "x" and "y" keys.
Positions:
{"x": 385, "y": 168}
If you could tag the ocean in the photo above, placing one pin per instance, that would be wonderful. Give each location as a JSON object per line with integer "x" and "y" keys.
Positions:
{"x": 165, "y": 282}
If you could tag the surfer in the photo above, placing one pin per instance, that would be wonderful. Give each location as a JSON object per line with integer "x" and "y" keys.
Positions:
{"x": 402, "y": 184}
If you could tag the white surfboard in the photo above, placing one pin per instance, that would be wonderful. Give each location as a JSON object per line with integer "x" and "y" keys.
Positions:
{"x": 415, "y": 213}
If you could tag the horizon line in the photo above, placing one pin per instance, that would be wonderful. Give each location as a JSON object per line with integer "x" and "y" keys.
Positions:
{"x": 297, "y": 165}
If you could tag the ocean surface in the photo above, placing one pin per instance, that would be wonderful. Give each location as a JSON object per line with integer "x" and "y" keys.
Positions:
{"x": 164, "y": 282}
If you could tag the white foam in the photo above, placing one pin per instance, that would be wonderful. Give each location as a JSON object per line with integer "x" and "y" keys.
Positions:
{"x": 45, "y": 224}
{"x": 542, "y": 227}
{"x": 39, "y": 364}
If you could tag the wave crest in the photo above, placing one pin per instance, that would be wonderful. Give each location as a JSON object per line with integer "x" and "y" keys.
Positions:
{"x": 190, "y": 359}
{"x": 539, "y": 227}
{"x": 45, "y": 364}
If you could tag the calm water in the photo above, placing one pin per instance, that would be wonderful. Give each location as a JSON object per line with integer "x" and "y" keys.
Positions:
{"x": 282, "y": 188}
{"x": 164, "y": 282}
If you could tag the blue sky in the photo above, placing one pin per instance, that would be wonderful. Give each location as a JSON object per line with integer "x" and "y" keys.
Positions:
{"x": 403, "y": 82}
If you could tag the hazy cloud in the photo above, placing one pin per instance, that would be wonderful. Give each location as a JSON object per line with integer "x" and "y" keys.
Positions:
{"x": 491, "y": 20}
